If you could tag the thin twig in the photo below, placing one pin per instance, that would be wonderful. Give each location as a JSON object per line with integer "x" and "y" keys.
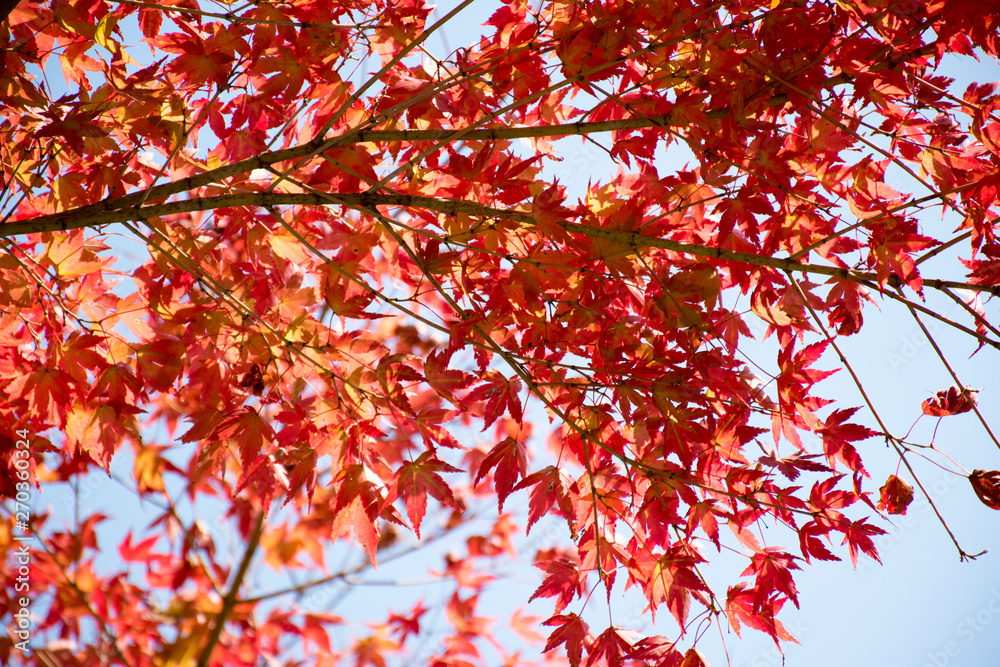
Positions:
{"x": 958, "y": 383}
{"x": 892, "y": 440}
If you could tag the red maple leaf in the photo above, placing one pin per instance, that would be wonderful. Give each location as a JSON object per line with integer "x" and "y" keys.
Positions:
{"x": 985, "y": 271}
{"x": 361, "y": 497}
{"x": 773, "y": 571}
{"x": 572, "y": 631}
{"x": 415, "y": 479}
{"x": 500, "y": 394}
{"x": 610, "y": 648}
{"x": 838, "y": 434}
{"x": 892, "y": 246}
{"x": 563, "y": 581}
{"x": 142, "y": 552}
{"x": 445, "y": 381}
{"x": 742, "y": 608}
{"x": 551, "y": 488}
{"x": 858, "y": 538}
{"x": 657, "y": 650}
{"x": 509, "y": 458}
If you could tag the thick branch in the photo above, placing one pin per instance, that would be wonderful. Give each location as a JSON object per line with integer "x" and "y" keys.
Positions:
{"x": 6, "y": 7}
{"x": 785, "y": 264}
{"x": 355, "y": 137}
{"x": 81, "y": 218}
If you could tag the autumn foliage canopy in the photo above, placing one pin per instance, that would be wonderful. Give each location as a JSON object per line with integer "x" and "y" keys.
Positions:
{"x": 367, "y": 306}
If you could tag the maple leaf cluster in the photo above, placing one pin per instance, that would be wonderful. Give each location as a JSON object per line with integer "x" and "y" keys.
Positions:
{"x": 365, "y": 288}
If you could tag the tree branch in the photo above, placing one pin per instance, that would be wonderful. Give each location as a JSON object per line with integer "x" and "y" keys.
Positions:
{"x": 90, "y": 217}
{"x": 229, "y": 602}
{"x": 6, "y": 7}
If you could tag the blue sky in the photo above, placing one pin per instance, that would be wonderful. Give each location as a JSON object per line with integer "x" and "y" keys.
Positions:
{"x": 922, "y": 607}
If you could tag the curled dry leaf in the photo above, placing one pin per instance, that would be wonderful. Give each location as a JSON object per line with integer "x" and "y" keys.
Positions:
{"x": 986, "y": 484}
{"x": 950, "y": 401}
{"x": 253, "y": 379}
{"x": 694, "y": 658}
{"x": 895, "y": 495}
